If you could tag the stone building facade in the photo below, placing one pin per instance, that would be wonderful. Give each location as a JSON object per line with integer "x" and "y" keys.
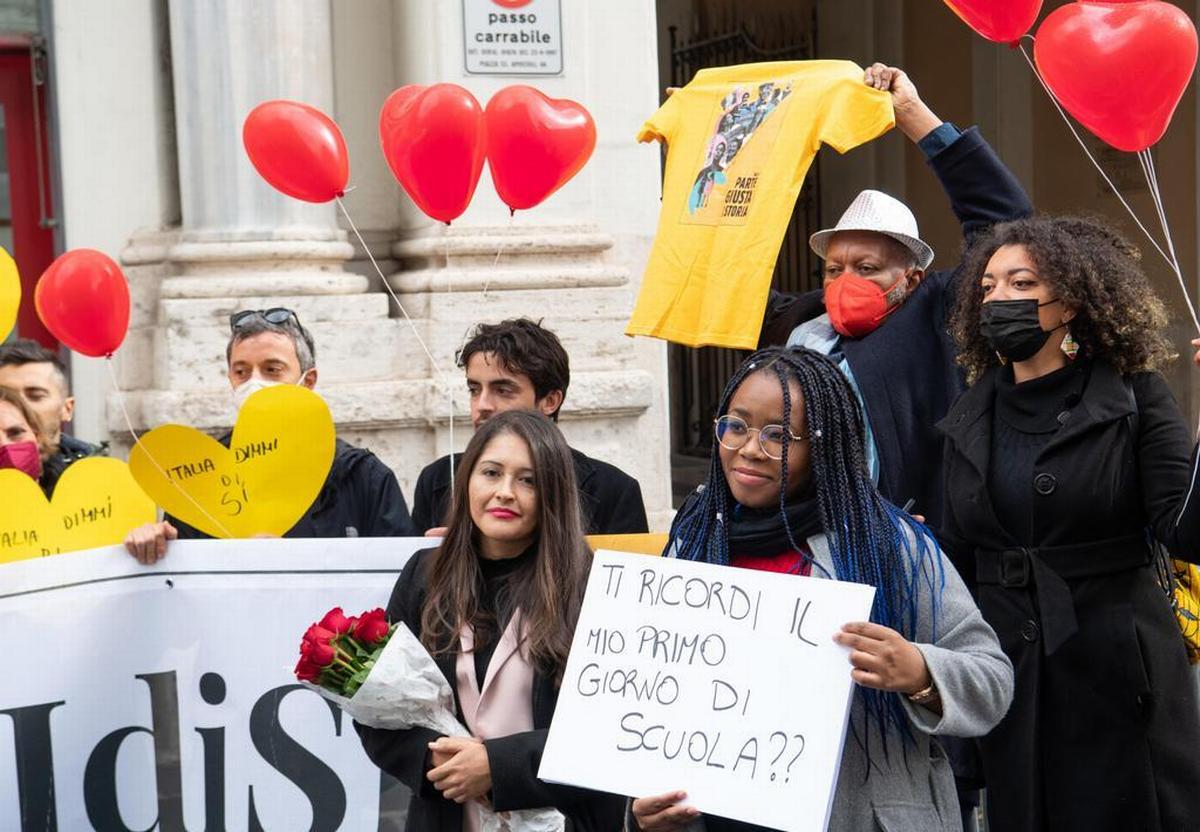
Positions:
{"x": 200, "y": 234}
{"x": 146, "y": 103}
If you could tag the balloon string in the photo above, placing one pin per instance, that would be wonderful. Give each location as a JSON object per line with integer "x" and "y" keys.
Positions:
{"x": 450, "y": 401}
{"x": 1147, "y": 160}
{"x": 137, "y": 440}
{"x": 499, "y": 250}
{"x": 488, "y": 280}
{"x": 1088, "y": 153}
{"x": 1155, "y": 198}
{"x": 412, "y": 325}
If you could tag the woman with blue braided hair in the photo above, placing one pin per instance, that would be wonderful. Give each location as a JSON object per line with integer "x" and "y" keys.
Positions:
{"x": 788, "y": 491}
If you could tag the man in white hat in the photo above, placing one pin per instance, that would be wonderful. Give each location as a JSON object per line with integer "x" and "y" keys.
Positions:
{"x": 882, "y": 315}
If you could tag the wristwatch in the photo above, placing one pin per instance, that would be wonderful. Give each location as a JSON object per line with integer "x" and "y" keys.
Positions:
{"x": 925, "y": 695}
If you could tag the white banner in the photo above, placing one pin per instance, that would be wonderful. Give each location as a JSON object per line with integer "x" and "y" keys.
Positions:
{"x": 725, "y": 683}
{"x": 137, "y": 695}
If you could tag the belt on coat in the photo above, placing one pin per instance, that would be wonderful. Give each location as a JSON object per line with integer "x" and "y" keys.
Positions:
{"x": 1049, "y": 568}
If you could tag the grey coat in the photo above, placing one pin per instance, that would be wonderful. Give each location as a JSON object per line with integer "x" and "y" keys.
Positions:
{"x": 975, "y": 679}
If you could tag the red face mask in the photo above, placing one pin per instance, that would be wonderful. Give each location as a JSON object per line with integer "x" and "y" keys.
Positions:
{"x": 23, "y": 456}
{"x": 857, "y": 307}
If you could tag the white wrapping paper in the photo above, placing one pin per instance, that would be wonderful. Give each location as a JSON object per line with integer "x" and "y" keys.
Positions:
{"x": 406, "y": 689}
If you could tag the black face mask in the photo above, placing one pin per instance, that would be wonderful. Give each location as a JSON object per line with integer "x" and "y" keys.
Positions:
{"x": 1013, "y": 329}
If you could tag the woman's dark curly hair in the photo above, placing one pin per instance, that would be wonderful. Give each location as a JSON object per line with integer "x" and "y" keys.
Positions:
{"x": 1094, "y": 270}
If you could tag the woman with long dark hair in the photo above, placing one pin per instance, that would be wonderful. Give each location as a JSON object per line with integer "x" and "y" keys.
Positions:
{"x": 1066, "y": 462}
{"x": 496, "y": 605}
{"x": 788, "y": 491}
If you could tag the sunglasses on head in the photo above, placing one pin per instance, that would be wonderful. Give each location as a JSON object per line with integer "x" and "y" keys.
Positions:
{"x": 276, "y": 315}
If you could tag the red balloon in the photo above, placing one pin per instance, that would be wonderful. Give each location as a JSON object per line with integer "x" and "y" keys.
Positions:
{"x": 1003, "y": 21}
{"x": 434, "y": 142}
{"x": 298, "y": 149}
{"x": 83, "y": 299}
{"x": 1119, "y": 67}
{"x": 535, "y": 144}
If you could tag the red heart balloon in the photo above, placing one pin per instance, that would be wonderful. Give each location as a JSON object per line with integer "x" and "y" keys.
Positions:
{"x": 434, "y": 142}
{"x": 83, "y": 298}
{"x": 1003, "y": 21}
{"x": 535, "y": 144}
{"x": 297, "y": 149}
{"x": 1119, "y": 67}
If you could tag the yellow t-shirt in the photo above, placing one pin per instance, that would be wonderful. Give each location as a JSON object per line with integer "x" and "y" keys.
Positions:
{"x": 740, "y": 140}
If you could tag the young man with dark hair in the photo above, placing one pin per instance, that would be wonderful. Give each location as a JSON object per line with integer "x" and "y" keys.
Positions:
{"x": 40, "y": 377}
{"x": 360, "y": 498}
{"x": 520, "y": 365}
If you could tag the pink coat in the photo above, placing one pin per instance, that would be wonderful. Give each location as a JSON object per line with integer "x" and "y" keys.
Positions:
{"x": 505, "y": 705}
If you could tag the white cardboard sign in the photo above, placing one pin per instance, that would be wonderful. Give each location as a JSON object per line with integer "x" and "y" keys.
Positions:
{"x": 723, "y": 682}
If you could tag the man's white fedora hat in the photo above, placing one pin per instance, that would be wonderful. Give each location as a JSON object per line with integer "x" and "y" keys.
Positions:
{"x": 878, "y": 212}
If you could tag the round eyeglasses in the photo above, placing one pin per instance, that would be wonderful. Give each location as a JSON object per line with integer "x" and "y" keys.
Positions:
{"x": 733, "y": 433}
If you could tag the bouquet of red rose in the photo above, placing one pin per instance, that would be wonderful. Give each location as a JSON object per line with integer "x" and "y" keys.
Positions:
{"x": 376, "y": 672}
{"x": 383, "y": 677}
{"x": 338, "y": 653}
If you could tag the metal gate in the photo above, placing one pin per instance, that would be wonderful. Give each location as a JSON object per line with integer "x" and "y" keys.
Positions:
{"x": 698, "y": 376}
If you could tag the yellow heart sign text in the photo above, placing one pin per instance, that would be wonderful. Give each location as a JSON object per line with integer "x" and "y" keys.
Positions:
{"x": 96, "y": 503}
{"x": 262, "y": 484}
{"x": 10, "y": 294}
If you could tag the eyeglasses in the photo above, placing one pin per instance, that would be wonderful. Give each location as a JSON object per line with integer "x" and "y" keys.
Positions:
{"x": 276, "y": 315}
{"x": 733, "y": 433}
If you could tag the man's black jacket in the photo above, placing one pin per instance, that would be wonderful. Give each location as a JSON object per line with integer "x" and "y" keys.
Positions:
{"x": 611, "y": 500}
{"x": 69, "y": 450}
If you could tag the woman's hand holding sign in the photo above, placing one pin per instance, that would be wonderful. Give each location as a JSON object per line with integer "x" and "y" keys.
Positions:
{"x": 884, "y": 659}
{"x": 663, "y": 812}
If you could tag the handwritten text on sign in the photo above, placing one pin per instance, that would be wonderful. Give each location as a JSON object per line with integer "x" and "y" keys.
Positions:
{"x": 723, "y": 682}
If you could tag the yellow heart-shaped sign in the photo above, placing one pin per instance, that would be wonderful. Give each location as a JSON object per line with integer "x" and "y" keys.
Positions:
{"x": 96, "y": 503}
{"x": 10, "y": 293}
{"x": 262, "y": 484}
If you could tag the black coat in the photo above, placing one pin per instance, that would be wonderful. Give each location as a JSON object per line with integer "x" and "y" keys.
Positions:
{"x": 610, "y": 499}
{"x": 906, "y": 368}
{"x": 514, "y": 760}
{"x": 1104, "y": 730}
{"x": 70, "y": 450}
{"x": 360, "y": 494}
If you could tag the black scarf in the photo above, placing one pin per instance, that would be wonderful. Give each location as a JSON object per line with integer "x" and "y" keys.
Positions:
{"x": 757, "y": 532}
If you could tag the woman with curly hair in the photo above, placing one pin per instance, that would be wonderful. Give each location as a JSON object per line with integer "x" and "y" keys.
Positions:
{"x": 1065, "y": 462}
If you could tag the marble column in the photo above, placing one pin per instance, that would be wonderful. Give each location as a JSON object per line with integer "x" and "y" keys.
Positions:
{"x": 227, "y": 57}
{"x": 241, "y": 244}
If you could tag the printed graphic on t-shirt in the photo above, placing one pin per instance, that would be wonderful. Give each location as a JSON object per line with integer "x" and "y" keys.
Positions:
{"x": 724, "y": 187}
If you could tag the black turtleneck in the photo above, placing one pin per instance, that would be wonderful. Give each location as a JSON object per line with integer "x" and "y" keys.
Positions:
{"x": 1024, "y": 419}
{"x": 494, "y": 602}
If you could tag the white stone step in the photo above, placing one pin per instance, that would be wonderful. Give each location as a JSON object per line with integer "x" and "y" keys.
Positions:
{"x": 191, "y": 356}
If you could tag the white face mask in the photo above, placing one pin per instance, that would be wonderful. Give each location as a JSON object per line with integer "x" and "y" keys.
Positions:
{"x": 249, "y": 388}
